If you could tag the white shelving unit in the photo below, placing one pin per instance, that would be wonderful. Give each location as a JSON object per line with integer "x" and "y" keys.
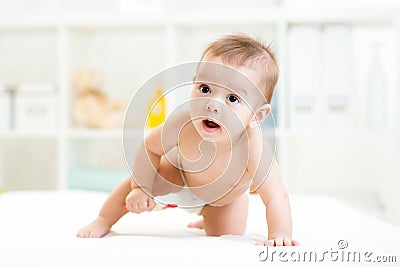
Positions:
{"x": 129, "y": 50}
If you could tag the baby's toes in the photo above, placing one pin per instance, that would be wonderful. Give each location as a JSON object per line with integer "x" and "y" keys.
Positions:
{"x": 94, "y": 234}
{"x": 198, "y": 224}
{"x": 82, "y": 234}
{"x": 79, "y": 234}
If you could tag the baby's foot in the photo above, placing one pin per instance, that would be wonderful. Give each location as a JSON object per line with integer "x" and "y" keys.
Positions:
{"x": 198, "y": 224}
{"x": 97, "y": 228}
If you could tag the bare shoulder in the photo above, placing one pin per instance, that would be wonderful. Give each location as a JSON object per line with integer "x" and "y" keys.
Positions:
{"x": 173, "y": 126}
{"x": 165, "y": 136}
{"x": 177, "y": 119}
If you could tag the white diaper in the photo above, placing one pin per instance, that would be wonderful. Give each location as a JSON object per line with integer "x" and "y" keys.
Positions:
{"x": 185, "y": 198}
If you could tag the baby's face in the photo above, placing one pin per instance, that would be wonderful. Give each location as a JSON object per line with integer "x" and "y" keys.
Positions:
{"x": 224, "y": 99}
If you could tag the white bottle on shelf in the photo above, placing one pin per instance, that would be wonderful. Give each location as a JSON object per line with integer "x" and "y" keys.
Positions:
{"x": 376, "y": 90}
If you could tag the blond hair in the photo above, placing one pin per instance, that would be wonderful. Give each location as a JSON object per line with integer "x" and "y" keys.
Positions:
{"x": 241, "y": 50}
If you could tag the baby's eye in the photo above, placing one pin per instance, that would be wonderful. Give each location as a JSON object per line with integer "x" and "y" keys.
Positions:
{"x": 233, "y": 99}
{"x": 204, "y": 89}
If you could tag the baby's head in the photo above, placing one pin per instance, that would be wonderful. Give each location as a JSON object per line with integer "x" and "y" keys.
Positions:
{"x": 240, "y": 50}
{"x": 234, "y": 82}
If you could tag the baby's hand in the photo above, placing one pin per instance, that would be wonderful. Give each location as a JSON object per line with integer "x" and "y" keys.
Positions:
{"x": 278, "y": 241}
{"x": 138, "y": 201}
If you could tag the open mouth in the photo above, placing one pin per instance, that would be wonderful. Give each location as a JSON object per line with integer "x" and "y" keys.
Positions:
{"x": 210, "y": 126}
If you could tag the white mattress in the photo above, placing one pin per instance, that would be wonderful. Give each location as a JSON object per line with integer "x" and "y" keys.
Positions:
{"x": 38, "y": 229}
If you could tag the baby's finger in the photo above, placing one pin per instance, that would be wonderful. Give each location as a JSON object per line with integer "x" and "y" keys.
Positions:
{"x": 265, "y": 243}
{"x": 270, "y": 243}
{"x": 278, "y": 241}
{"x": 132, "y": 207}
{"x": 150, "y": 204}
{"x": 142, "y": 205}
{"x": 287, "y": 242}
{"x": 295, "y": 243}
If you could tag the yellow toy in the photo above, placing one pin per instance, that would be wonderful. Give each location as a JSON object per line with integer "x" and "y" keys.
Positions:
{"x": 156, "y": 113}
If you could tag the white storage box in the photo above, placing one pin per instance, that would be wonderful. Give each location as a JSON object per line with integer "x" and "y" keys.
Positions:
{"x": 5, "y": 111}
{"x": 35, "y": 112}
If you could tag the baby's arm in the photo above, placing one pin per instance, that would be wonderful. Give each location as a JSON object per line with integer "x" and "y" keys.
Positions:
{"x": 144, "y": 170}
{"x": 156, "y": 144}
{"x": 135, "y": 194}
{"x": 129, "y": 193}
{"x": 273, "y": 194}
{"x": 110, "y": 212}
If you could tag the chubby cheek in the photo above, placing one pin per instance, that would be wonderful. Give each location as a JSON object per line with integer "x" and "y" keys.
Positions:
{"x": 198, "y": 124}
{"x": 197, "y": 107}
{"x": 235, "y": 123}
{"x": 195, "y": 93}
{"x": 197, "y": 113}
{"x": 241, "y": 115}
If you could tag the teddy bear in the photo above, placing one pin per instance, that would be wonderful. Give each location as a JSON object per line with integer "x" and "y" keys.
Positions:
{"x": 93, "y": 108}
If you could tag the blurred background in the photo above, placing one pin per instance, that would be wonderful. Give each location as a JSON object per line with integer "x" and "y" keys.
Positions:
{"x": 69, "y": 68}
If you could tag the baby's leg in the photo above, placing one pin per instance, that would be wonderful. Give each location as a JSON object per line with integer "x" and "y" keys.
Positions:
{"x": 111, "y": 211}
{"x": 226, "y": 220}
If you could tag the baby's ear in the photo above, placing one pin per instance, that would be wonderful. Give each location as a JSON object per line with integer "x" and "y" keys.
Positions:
{"x": 260, "y": 115}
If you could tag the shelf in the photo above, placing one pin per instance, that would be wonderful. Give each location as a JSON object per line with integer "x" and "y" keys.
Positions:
{"x": 350, "y": 133}
{"x": 19, "y": 65}
{"x": 95, "y": 178}
{"x": 267, "y": 14}
{"x": 340, "y": 15}
{"x": 32, "y": 23}
{"x": 91, "y": 21}
{"x": 27, "y": 135}
{"x": 116, "y": 55}
{"x": 103, "y": 133}
{"x": 97, "y": 134}
{"x": 127, "y": 50}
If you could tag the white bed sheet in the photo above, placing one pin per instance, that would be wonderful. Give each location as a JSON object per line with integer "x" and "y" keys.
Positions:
{"x": 38, "y": 229}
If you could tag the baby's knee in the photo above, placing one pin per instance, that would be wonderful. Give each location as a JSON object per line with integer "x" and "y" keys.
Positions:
{"x": 233, "y": 229}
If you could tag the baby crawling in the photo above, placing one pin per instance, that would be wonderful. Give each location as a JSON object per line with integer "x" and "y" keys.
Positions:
{"x": 207, "y": 158}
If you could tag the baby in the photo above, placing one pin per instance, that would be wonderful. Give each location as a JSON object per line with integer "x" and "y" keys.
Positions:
{"x": 211, "y": 155}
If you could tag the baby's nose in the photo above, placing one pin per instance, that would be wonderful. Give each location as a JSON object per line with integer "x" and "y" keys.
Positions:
{"x": 213, "y": 107}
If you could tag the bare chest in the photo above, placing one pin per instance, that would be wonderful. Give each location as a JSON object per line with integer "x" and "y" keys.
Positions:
{"x": 215, "y": 174}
